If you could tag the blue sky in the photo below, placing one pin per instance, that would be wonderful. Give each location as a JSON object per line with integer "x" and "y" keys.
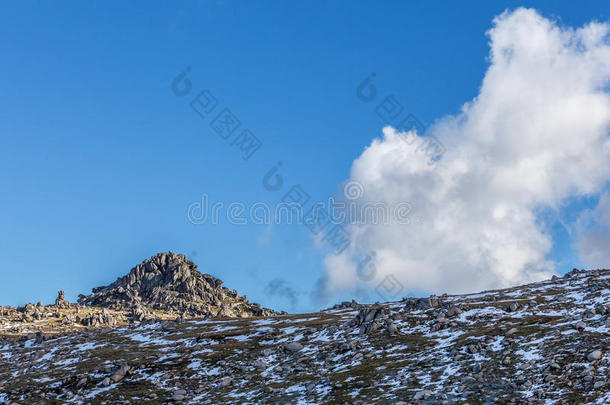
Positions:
{"x": 100, "y": 159}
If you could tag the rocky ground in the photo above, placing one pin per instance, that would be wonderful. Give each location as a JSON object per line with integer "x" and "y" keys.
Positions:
{"x": 541, "y": 343}
{"x": 166, "y": 286}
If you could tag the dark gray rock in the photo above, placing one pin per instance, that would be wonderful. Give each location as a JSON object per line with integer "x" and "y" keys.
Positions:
{"x": 170, "y": 282}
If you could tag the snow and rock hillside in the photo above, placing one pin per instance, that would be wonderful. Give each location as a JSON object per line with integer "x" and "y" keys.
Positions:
{"x": 541, "y": 343}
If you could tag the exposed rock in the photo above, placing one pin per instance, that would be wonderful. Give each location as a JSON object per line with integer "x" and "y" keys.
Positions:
{"x": 97, "y": 319}
{"x": 294, "y": 347}
{"x": 120, "y": 373}
{"x": 179, "y": 395}
{"x": 82, "y": 381}
{"x": 60, "y": 301}
{"x": 170, "y": 282}
{"x": 422, "y": 395}
{"x": 594, "y": 355}
{"x": 225, "y": 382}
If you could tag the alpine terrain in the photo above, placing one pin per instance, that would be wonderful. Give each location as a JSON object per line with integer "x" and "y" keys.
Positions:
{"x": 166, "y": 333}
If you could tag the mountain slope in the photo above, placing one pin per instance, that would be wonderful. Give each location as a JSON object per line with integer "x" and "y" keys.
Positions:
{"x": 546, "y": 342}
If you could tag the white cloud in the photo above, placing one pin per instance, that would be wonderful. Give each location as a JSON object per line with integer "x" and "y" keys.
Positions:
{"x": 594, "y": 240}
{"x": 536, "y": 134}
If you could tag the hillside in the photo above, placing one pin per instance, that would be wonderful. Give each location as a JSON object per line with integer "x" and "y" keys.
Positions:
{"x": 546, "y": 342}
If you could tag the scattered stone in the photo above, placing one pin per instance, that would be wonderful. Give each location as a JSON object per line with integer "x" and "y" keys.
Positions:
{"x": 179, "y": 395}
{"x": 422, "y": 395}
{"x": 120, "y": 373}
{"x": 294, "y": 347}
{"x": 82, "y": 381}
{"x": 594, "y": 355}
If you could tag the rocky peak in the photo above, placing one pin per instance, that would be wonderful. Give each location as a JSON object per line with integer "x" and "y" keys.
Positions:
{"x": 170, "y": 282}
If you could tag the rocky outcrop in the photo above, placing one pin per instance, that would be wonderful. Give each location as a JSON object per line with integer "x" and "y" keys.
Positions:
{"x": 102, "y": 318}
{"x": 170, "y": 282}
{"x": 60, "y": 301}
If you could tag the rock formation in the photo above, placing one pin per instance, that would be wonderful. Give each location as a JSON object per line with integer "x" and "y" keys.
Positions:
{"x": 60, "y": 301}
{"x": 170, "y": 282}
